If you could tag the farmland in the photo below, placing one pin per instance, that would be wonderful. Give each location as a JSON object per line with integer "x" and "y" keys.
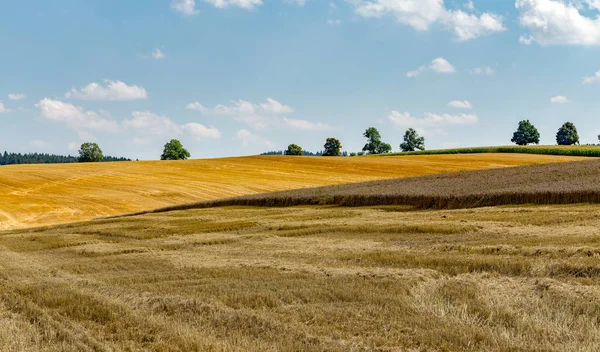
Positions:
{"x": 577, "y": 150}
{"x": 556, "y": 183}
{"x": 50, "y": 194}
{"x": 307, "y": 279}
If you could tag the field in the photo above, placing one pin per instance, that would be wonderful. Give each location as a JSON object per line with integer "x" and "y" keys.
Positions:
{"x": 576, "y": 150}
{"x": 50, "y": 194}
{"x": 307, "y": 279}
{"x": 556, "y": 183}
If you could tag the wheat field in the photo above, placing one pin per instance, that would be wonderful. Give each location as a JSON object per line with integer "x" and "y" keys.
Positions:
{"x": 307, "y": 279}
{"x": 60, "y": 193}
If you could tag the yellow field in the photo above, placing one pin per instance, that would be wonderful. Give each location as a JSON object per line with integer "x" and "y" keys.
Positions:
{"x": 60, "y": 193}
{"x": 307, "y": 279}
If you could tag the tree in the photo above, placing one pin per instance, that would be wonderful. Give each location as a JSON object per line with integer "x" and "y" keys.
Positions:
{"x": 567, "y": 134}
{"x": 332, "y": 147}
{"x": 174, "y": 150}
{"x": 526, "y": 133}
{"x": 90, "y": 153}
{"x": 374, "y": 143}
{"x": 294, "y": 149}
{"x": 412, "y": 141}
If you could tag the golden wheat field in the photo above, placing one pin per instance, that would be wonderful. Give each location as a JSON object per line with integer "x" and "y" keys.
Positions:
{"x": 307, "y": 279}
{"x": 51, "y": 194}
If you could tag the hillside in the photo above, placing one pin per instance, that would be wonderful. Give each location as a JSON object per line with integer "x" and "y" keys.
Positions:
{"x": 307, "y": 279}
{"x": 50, "y": 194}
{"x": 570, "y": 150}
{"x": 556, "y": 183}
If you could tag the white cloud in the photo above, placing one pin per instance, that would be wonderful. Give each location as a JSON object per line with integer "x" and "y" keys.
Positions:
{"x": 306, "y": 125}
{"x": 422, "y": 14}
{"x": 248, "y": 138}
{"x": 334, "y": 22}
{"x": 431, "y": 120}
{"x": 76, "y": 117}
{"x": 460, "y": 104}
{"x": 3, "y": 109}
{"x": 185, "y": 7}
{"x": 272, "y": 106}
{"x": 245, "y": 4}
{"x": 553, "y": 22}
{"x": 149, "y": 124}
{"x": 111, "y": 91}
{"x": 469, "y": 5}
{"x": 483, "y": 71}
{"x": 16, "y": 96}
{"x": 199, "y": 131}
{"x": 592, "y": 79}
{"x": 196, "y": 106}
{"x": 559, "y": 100}
{"x": 439, "y": 65}
{"x": 158, "y": 54}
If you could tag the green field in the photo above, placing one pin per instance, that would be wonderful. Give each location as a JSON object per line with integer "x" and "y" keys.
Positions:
{"x": 591, "y": 151}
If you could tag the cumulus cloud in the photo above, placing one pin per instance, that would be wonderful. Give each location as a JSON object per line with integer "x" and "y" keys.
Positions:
{"x": 423, "y": 14}
{"x": 439, "y": 65}
{"x": 248, "y": 138}
{"x": 76, "y": 117}
{"x": 592, "y": 79}
{"x": 431, "y": 120}
{"x": 185, "y": 7}
{"x": 197, "y": 107}
{"x": 260, "y": 116}
{"x": 244, "y": 4}
{"x": 152, "y": 125}
{"x": 16, "y": 96}
{"x": 3, "y": 109}
{"x": 460, "y": 104}
{"x": 110, "y": 91}
{"x": 554, "y": 22}
{"x": 559, "y": 100}
{"x": 157, "y": 54}
{"x": 306, "y": 125}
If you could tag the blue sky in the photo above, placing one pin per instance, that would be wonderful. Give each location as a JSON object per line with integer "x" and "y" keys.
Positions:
{"x": 239, "y": 77}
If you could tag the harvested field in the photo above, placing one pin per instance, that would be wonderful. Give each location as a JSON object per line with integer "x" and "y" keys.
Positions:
{"x": 558, "y": 183}
{"x": 307, "y": 279}
{"x": 50, "y": 194}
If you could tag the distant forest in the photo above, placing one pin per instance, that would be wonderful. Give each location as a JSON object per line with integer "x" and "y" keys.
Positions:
{"x": 37, "y": 158}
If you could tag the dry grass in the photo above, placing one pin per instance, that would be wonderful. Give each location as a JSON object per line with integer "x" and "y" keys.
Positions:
{"x": 556, "y": 183}
{"x": 307, "y": 279}
{"x": 51, "y": 194}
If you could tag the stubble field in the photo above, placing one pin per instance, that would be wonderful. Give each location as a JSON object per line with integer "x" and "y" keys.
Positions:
{"x": 51, "y": 194}
{"x": 307, "y": 279}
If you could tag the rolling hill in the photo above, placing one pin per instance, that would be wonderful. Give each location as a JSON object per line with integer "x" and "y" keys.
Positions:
{"x": 50, "y": 194}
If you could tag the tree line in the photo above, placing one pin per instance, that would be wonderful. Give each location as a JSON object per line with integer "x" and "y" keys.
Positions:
{"x": 525, "y": 134}
{"x": 42, "y": 158}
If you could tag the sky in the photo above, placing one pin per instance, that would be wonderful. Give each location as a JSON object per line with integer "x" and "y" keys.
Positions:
{"x": 240, "y": 77}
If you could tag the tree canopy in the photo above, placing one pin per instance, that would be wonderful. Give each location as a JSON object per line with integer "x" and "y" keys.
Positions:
{"x": 174, "y": 150}
{"x": 567, "y": 134}
{"x": 374, "y": 143}
{"x": 332, "y": 147}
{"x": 90, "y": 153}
{"x": 294, "y": 149}
{"x": 526, "y": 134}
{"x": 412, "y": 141}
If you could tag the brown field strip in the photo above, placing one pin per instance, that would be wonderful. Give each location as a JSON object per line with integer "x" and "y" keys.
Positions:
{"x": 556, "y": 183}
{"x": 50, "y": 194}
{"x": 307, "y": 279}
